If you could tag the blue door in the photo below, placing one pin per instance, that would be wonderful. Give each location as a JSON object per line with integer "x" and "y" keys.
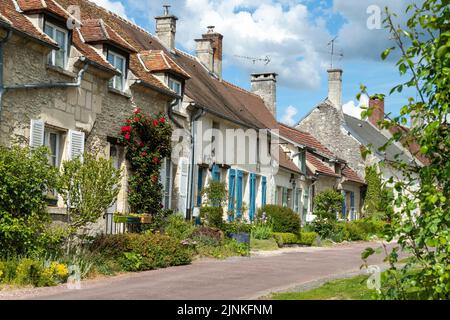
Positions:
{"x": 252, "y": 196}
{"x": 231, "y": 192}
{"x": 216, "y": 173}
{"x": 240, "y": 177}
{"x": 264, "y": 191}
{"x": 199, "y": 186}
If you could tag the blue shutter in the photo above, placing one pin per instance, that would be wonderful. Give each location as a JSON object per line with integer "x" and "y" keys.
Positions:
{"x": 240, "y": 177}
{"x": 231, "y": 192}
{"x": 199, "y": 186}
{"x": 305, "y": 203}
{"x": 216, "y": 173}
{"x": 344, "y": 204}
{"x": 252, "y": 196}
{"x": 296, "y": 199}
{"x": 264, "y": 191}
{"x": 352, "y": 205}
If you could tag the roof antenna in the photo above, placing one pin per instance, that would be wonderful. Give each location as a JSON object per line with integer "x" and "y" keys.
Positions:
{"x": 332, "y": 53}
{"x": 166, "y": 9}
{"x": 266, "y": 60}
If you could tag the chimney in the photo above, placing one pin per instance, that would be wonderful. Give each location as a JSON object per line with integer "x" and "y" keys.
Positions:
{"x": 377, "y": 107}
{"x": 166, "y": 27}
{"x": 335, "y": 87}
{"x": 205, "y": 53}
{"x": 216, "y": 44}
{"x": 265, "y": 85}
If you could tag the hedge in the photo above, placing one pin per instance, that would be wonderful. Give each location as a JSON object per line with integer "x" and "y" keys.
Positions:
{"x": 284, "y": 219}
{"x": 305, "y": 238}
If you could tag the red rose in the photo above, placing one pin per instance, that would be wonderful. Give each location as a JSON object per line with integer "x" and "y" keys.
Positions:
{"x": 155, "y": 123}
{"x": 154, "y": 178}
{"x": 155, "y": 160}
{"x": 144, "y": 154}
{"x": 136, "y": 119}
{"x": 128, "y": 121}
{"x": 137, "y": 110}
{"x": 141, "y": 144}
{"x": 162, "y": 120}
{"x": 126, "y": 129}
{"x": 127, "y": 136}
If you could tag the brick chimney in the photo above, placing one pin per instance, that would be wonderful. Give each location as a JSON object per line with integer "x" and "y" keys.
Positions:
{"x": 265, "y": 85}
{"x": 335, "y": 87}
{"x": 211, "y": 55}
{"x": 377, "y": 106}
{"x": 166, "y": 28}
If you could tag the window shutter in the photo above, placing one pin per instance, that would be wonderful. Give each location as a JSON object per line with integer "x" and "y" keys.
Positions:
{"x": 264, "y": 191}
{"x": 183, "y": 165}
{"x": 240, "y": 176}
{"x": 231, "y": 190}
{"x": 76, "y": 144}
{"x": 199, "y": 186}
{"x": 252, "y": 208}
{"x": 37, "y": 129}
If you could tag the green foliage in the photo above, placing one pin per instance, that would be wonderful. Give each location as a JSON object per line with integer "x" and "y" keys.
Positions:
{"x": 264, "y": 245}
{"x": 283, "y": 219}
{"x": 308, "y": 238}
{"x": 216, "y": 193}
{"x": 139, "y": 252}
{"x": 208, "y": 236}
{"x": 348, "y": 231}
{"x": 377, "y": 198}
{"x": 89, "y": 186}
{"x": 324, "y": 227}
{"x": 328, "y": 203}
{"x": 262, "y": 230}
{"x": 148, "y": 142}
{"x": 25, "y": 178}
{"x": 285, "y": 238}
{"x": 236, "y": 227}
{"x": 229, "y": 248}
{"x": 420, "y": 223}
{"x": 178, "y": 228}
{"x": 213, "y": 216}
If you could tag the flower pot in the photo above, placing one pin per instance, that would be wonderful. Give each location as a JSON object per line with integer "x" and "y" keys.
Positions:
{"x": 241, "y": 237}
{"x": 133, "y": 220}
{"x": 51, "y": 202}
{"x": 146, "y": 219}
{"x": 120, "y": 219}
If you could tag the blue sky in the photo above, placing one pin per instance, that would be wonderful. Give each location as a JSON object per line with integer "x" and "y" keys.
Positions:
{"x": 295, "y": 35}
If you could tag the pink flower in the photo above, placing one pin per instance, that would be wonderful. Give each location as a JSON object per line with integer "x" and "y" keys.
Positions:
{"x": 144, "y": 154}
{"x": 126, "y": 129}
{"x": 162, "y": 120}
{"x": 155, "y": 160}
{"x": 127, "y": 136}
{"x": 155, "y": 123}
{"x": 136, "y": 119}
{"x": 137, "y": 110}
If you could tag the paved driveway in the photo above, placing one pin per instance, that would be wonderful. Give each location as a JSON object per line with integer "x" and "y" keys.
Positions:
{"x": 235, "y": 278}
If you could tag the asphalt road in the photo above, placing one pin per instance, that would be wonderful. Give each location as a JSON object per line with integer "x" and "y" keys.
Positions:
{"x": 235, "y": 278}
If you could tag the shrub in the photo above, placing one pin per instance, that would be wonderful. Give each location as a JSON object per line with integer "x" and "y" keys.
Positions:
{"x": 208, "y": 236}
{"x": 90, "y": 186}
{"x": 262, "y": 230}
{"x": 216, "y": 193}
{"x": 229, "y": 248}
{"x": 25, "y": 179}
{"x": 236, "y": 227}
{"x": 308, "y": 238}
{"x": 138, "y": 252}
{"x": 283, "y": 219}
{"x": 327, "y": 204}
{"x": 283, "y": 238}
{"x": 212, "y": 215}
{"x": 178, "y": 228}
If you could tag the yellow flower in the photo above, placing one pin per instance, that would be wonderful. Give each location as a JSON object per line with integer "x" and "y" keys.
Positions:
{"x": 61, "y": 270}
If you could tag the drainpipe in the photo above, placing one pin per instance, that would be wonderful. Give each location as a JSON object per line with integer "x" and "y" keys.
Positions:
{"x": 2, "y": 88}
{"x": 196, "y": 116}
{"x": 170, "y": 113}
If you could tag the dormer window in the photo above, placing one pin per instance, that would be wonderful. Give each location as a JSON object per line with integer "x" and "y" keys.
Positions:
{"x": 58, "y": 58}
{"x": 119, "y": 62}
{"x": 176, "y": 86}
{"x": 302, "y": 161}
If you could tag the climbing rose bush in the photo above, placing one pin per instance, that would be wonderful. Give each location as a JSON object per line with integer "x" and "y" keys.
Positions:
{"x": 148, "y": 142}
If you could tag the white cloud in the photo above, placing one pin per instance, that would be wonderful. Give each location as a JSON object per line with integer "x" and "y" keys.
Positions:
{"x": 114, "y": 6}
{"x": 288, "y": 117}
{"x": 354, "y": 110}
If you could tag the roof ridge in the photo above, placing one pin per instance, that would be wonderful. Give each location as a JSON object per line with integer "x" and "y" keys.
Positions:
{"x": 240, "y": 88}
{"x": 44, "y": 4}
{"x": 163, "y": 55}
{"x": 103, "y": 27}
{"x": 16, "y": 6}
{"x": 295, "y": 129}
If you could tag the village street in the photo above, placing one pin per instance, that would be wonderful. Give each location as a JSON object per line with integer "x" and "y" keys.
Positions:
{"x": 235, "y": 278}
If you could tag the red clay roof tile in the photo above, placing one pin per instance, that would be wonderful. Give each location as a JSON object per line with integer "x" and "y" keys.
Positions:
{"x": 158, "y": 61}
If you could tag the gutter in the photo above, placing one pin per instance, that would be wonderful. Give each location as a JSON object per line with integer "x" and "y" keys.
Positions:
{"x": 2, "y": 88}
{"x": 197, "y": 115}
{"x": 157, "y": 89}
{"x": 170, "y": 113}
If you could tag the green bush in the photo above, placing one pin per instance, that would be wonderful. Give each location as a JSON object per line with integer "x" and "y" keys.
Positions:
{"x": 177, "y": 227}
{"x": 283, "y": 219}
{"x": 308, "y": 238}
{"x": 236, "y": 227}
{"x": 25, "y": 179}
{"x": 212, "y": 215}
{"x": 216, "y": 193}
{"x": 327, "y": 204}
{"x": 208, "y": 236}
{"x": 229, "y": 248}
{"x": 138, "y": 252}
{"x": 262, "y": 230}
{"x": 286, "y": 238}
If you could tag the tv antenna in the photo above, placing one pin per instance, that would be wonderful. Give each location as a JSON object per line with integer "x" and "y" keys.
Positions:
{"x": 332, "y": 53}
{"x": 266, "y": 60}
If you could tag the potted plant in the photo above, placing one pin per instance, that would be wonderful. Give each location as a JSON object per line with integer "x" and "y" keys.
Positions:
{"x": 51, "y": 199}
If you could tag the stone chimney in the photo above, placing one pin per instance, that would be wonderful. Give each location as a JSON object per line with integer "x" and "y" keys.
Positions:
{"x": 205, "y": 53}
{"x": 377, "y": 107}
{"x": 335, "y": 87}
{"x": 166, "y": 28}
{"x": 216, "y": 44}
{"x": 265, "y": 85}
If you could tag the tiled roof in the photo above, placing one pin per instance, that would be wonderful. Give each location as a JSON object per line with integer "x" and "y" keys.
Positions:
{"x": 43, "y": 5}
{"x": 96, "y": 30}
{"x": 21, "y": 23}
{"x": 320, "y": 167}
{"x": 351, "y": 175}
{"x": 412, "y": 146}
{"x": 158, "y": 61}
{"x": 304, "y": 138}
{"x": 89, "y": 52}
{"x": 285, "y": 162}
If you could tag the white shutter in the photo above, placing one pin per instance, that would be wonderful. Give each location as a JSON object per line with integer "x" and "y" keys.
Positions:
{"x": 183, "y": 166}
{"x": 76, "y": 144}
{"x": 37, "y": 129}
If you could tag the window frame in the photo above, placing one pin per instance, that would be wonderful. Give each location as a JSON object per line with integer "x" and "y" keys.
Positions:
{"x": 180, "y": 83}
{"x": 59, "y": 138}
{"x": 52, "y": 54}
{"x": 124, "y": 71}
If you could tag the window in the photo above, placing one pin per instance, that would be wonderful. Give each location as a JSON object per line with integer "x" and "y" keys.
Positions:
{"x": 302, "y": 161}
{"x": 177, "y": 88}
{"x": 119, "y": 62}
{"x": 52, "y": 140}
{"x": 165, "y": 178}
{"x": 59, "y": 57}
